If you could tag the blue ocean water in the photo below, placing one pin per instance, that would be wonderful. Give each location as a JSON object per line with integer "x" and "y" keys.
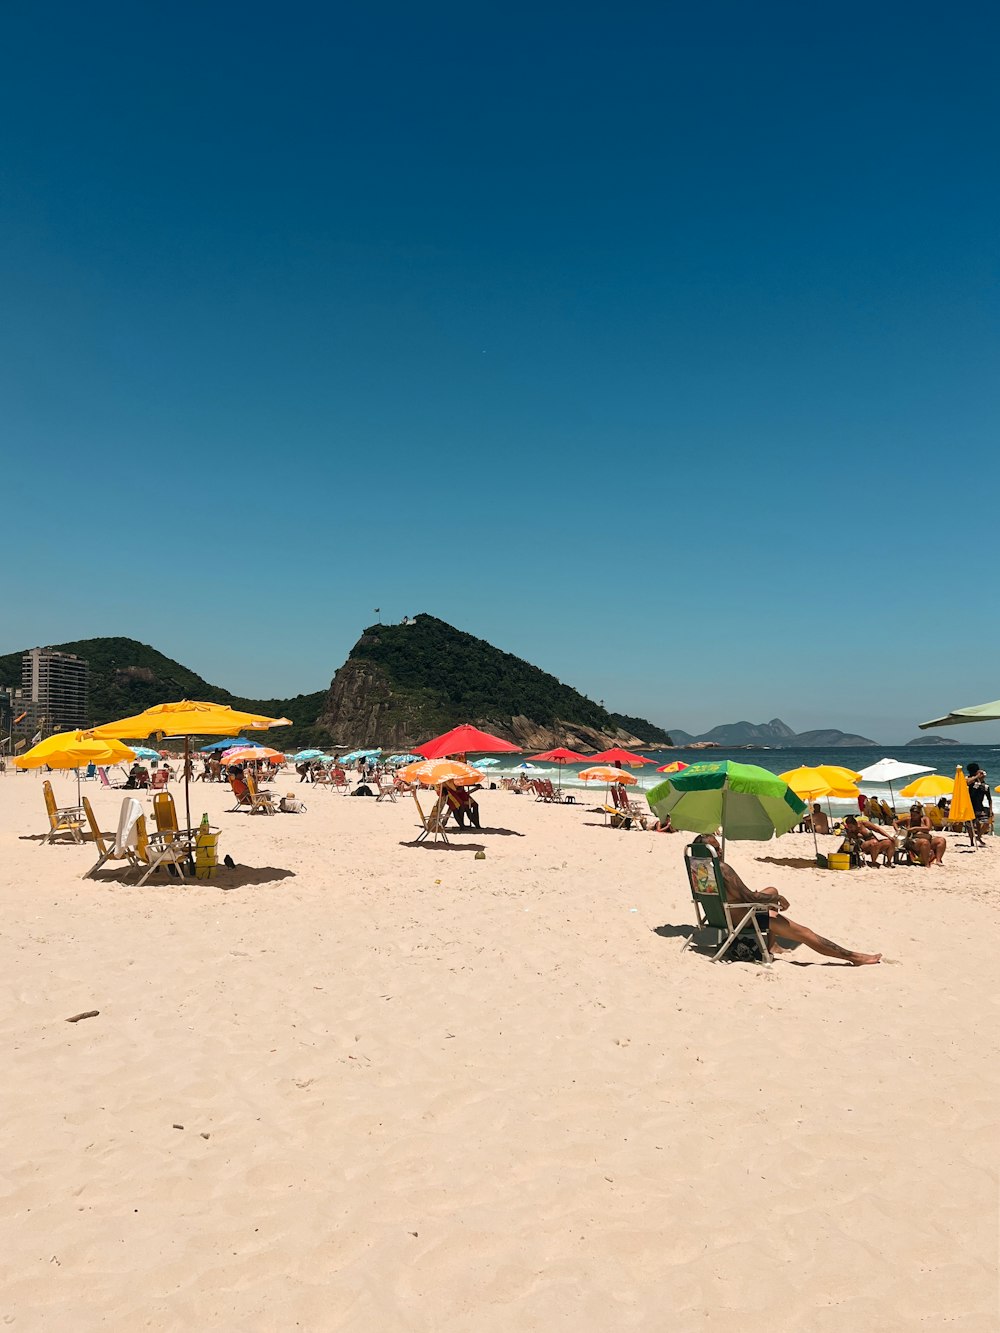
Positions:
{"x": 941, "y": 759}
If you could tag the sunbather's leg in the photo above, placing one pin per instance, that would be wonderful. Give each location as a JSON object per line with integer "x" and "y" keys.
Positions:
{"x": 791, "y": 930}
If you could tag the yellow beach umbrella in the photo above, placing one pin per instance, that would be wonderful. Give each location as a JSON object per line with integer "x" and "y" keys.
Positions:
{"x": 934, "y": 784}
{"x": 811, "y": 782}
{"x": 186, "y": 719}
{"x": 74, "y": 749}
{"x": 961, "y": 811}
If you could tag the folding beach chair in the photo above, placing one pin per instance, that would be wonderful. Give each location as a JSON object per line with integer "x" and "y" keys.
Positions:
{"x": 744, "y": 940}
{"x": 625, "y": 813}
{"x": 386, "y": 790}
{"x": 260, "y": 801}
{"x": 165, "y": 813}
{"x": 114, "y": 846}
{"x": 67, "y": 820}
{"x": 321, "y": 778}
{"x": 242, "y": 798}
{"x": 153, "y": 855}
{"x": 159, "y": 780}
{"x": 432, "y": 824}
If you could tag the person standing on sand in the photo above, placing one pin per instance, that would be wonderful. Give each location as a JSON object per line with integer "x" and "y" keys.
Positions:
{"x": 779, "y": 925}
{"x": 982, "y": 802}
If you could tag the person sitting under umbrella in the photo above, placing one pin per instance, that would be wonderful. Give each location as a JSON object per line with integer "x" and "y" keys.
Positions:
{"x": 779, "y": 926}
{"x": 461, "y": 804}
{"x": 920, "y": 840}
{"x": 817, "y": 821}
{"x": 870, "y": 838}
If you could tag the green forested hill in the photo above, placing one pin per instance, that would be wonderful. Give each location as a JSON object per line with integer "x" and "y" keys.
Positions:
{"x": 427, "y": 675}
{"x": 402, "y": 683}
{"x": 127, "y": 676}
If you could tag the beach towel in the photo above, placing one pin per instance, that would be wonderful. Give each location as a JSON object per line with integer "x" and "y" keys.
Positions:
{"x": 128, "y": 834}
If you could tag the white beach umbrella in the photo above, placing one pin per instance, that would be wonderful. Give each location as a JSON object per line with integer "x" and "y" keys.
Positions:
{"x": 890, "y": 771}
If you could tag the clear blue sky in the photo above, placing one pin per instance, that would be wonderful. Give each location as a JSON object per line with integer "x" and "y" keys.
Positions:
{"x": 656, "y": 343}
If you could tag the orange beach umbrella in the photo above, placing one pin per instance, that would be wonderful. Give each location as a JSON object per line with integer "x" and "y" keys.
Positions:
{"x": 603, "y": 773}
{"x": 433, "y": 772}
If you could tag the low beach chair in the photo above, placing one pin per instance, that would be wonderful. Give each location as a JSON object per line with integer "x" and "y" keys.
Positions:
{"x": 159, "y": 780}
{"x": 165, "y": 813}
{"x": 67, "y": 820}
{"x": 625, "y": 813}
{"x": 432, "y": 824}
{"x": 149, "y": 855}
{"x": 113, "y": 846}
{"x": 242, "y": 798}
{"x": 321, "y": 778}
{"x": 261, "y": 802}
{"x": 386, "y": 790}
{"x": 744, "y": 940}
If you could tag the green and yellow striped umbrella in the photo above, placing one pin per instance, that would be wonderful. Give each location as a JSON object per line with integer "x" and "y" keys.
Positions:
{"x": 748, "y": 803}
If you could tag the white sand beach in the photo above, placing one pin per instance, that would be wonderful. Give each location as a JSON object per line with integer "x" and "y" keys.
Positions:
{"x": 358, "y": 1084}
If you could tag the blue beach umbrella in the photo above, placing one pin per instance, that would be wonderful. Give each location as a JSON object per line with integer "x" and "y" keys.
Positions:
{"x": 487, "y": 763}
{"x": 240, "y": 741}
{"x": 304, "y": 756}
{"x": 144, "y": 752}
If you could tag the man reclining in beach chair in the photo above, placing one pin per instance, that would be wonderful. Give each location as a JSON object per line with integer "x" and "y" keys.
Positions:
{"x": 718, "y": 891}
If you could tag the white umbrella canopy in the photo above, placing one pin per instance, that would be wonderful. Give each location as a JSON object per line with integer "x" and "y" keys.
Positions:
{"x": 891, "y": 770}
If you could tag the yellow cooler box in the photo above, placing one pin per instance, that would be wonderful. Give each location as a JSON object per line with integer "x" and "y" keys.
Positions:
{"x": 839, "y": 861}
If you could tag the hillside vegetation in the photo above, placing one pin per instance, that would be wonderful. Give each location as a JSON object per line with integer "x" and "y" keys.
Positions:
{"x": 399, "y": 680}
{"x": 407, "y": 681}
{"x": 127, "y": 676}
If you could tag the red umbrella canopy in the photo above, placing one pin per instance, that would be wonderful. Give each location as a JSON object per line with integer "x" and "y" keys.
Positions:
{"x": 460, "y": 740}
{"x": 563, "y": 757}
{"x": 620, "y": 757}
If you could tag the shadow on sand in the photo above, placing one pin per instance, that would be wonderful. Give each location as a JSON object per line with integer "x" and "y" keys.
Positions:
{"x": 791, "y": 862}
{"x": 228, "y": 877}
{"x": 668, "y": 932}
{"x": 440, "y": 846}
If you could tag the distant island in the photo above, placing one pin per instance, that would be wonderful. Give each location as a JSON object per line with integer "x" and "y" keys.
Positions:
{"x": 773, "y": 735}
{"x": 924, "y": 741}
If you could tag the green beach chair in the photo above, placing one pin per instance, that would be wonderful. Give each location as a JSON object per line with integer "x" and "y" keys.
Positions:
{"x": 744, "y": 941}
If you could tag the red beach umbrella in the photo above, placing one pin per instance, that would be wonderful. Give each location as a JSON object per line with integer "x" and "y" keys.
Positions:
{"x": 621, "y": 757}
{"x": 562, "y": 757}
{"x": 460, "y": 740}
{"x": 675, "y": 767}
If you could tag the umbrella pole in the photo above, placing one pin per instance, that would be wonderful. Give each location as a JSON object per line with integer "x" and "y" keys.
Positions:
{"x": 187, "y": 780}
{"x": 724, "y": 793}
